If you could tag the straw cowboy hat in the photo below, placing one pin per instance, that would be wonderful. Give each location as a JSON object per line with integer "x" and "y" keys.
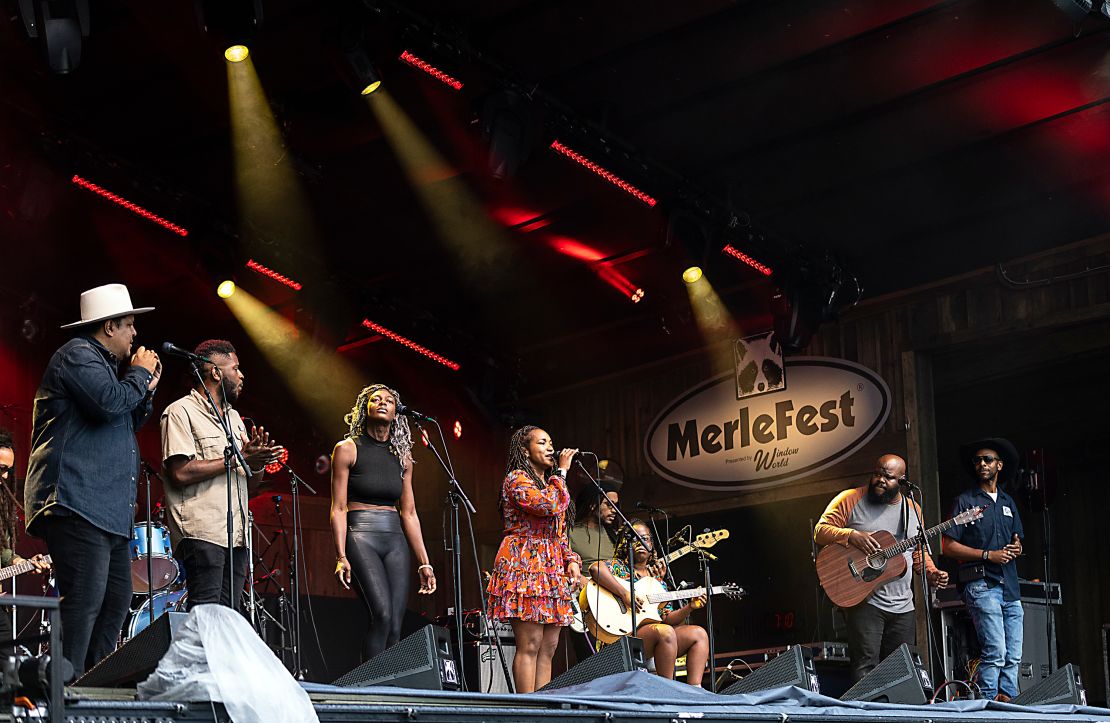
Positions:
{"x": 106, "y": 302}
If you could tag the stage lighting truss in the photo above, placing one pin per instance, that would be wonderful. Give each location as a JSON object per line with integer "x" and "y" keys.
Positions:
{"x": 406, "y": 342}
{"x": 130, "y": 206}
{"x": 270, "y": 273}
{"x": 421, "y": 64}
{"x": 600, "y": 171}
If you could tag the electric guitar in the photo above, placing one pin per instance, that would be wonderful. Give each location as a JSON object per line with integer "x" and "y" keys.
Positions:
{"x": 6, "y": 573}
{"x": 609, "y": 619}
{"x": 702, "y": 542}
{"x": 850, "y": 575}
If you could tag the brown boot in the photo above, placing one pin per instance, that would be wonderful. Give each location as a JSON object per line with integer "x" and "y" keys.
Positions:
{"x": 1002, "y": 698}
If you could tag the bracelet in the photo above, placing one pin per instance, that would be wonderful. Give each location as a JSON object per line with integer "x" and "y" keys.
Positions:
{"x": 986, "y": 554}
{"x": 421, "y": 567}
{"x": 340, "y": 557}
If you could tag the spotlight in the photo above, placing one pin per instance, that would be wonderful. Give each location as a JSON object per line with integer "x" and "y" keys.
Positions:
{"x": 359, "y": 71}
{"x": 60, "y": 25}
{"x": 225, "y": 289}
{"x": 237, "y": 53}
{"x": 509, "y": 123}
{"x": 692, "y": 274}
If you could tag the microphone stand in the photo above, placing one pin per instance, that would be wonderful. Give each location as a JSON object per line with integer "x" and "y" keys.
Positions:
{"x": 232, "y": 453}
{"x": 295, "y": 481}
{"x": 629, "y": 532}
{"x": 455, "y": 497}
{"x": 703, "y": 561}
{"x": 149, "y": 546}
{"x": 922, "y": 544}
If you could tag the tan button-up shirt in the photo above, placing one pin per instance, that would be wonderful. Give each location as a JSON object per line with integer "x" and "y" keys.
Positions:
{"x": 199, "y": 510}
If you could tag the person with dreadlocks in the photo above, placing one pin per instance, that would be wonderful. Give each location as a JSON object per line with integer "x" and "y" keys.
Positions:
{"x": 9, "y": 518}
{"x": 373, "y": 513}
{"x": 536, "y": 572}
{"x": 671, "y": 637}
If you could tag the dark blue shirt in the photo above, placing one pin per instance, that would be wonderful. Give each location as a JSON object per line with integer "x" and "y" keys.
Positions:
{"x": 84, "y": 455}
{"x": 993, "y": 532}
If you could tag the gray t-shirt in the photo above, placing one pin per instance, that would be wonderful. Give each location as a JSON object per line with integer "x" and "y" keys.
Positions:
{"x": 895, "y": 596}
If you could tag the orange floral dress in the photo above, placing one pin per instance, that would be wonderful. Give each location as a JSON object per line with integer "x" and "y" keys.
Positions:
{"x": 529, "y": 579}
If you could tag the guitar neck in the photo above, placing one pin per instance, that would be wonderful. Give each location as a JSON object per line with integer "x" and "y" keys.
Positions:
{"x": 662, "y": 597}
{"x": 905, "y": 545}
{"x": 11, "y": 571}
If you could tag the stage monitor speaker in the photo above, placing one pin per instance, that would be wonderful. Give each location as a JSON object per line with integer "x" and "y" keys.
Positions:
{"x": 901, "y": 678}
{"x": 623, "y": 656}
{"x": 792, "y": 667}
{"x": 136, "y": 659}
{"x": 484, "y": 673}
{"x": 422, "y": 660}
{"x": 1062, "y": 687}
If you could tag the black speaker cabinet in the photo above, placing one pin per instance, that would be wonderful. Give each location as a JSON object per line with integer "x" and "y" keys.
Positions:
{"x": 623, "y": 656}
{"x": 900, "y": 678}
{"x": 1062, "y": 687}
{"x": 422, "y": 660}
{"x": 136, "y": 659}
{"x": 793, "y": 667}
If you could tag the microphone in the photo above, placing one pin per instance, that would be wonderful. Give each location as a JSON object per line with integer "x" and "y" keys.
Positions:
{"x": 410, "y": 412}
{"x": 905, "y": 482}
{"x": 171, "y": 349}
{"x": 648, "y": 508}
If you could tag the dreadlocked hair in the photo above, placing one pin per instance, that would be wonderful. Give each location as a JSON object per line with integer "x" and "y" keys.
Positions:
{"x": 400, "y": 436}
{"x": 518, "y": 459}
{"x": 9, "y": 514}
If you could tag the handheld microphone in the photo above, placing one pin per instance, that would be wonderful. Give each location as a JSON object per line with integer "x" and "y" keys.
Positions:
{"x": 410, "y": 412}
{"x": 171, "y": 349}
{"x": 648, "y": 508}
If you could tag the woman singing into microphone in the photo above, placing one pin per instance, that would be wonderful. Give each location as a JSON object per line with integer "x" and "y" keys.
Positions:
{"x": 373, "y": 513}
{"x": 535, "y": 573}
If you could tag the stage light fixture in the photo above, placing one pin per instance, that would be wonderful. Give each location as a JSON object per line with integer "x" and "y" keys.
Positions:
{"x": 510, "y": 125}
{"x": 394, "y": 336}
{"x": 60, "y": 26}
{"x": 225, "y": 289}
{"x": 458, "y": 429}
{"x": 275, "y": 466}
{"x": 600, "y": 171}
{"x": 637, "y": 296}
{"x": 431, "y": 70}
{"x": 132, "y": 207}
{"x": 270, "y": 273}
{"x": 692, "y": 274}
{"x": 744, "y": 258}
{"x": 237, "y": 53}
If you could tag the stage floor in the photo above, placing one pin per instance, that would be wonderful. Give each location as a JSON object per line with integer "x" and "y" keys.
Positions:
{"x": 635, "y": 696}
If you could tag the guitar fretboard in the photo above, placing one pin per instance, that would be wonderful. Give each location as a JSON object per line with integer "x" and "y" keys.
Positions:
{"x": 12, "y": 570}
{"x": 905, "y": 545}
{"x": 662, "y": 597}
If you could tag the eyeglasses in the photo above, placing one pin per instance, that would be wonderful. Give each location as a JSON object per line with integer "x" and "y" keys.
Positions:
{"x": 5, "y": 470}
{"x": 984, "y": 458}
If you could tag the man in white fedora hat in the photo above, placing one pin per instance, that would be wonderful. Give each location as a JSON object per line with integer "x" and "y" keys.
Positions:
{"x": 81, "y": 480}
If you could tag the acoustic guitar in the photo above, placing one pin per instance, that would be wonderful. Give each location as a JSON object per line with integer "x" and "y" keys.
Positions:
{"x": 849, "y": 575}
{"x": 609, "y": 619}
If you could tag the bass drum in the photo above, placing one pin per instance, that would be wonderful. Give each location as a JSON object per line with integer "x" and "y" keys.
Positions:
{"x": 164, "y": 602}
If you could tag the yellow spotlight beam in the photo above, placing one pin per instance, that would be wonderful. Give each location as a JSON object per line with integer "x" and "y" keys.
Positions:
{"x": 714, "y": 322}
{"x": 269, "y": 193}
{"x": 477, "y": 243}
{"x": 324, "y": 383}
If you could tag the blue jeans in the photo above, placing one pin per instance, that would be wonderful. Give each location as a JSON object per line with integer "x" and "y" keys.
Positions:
{"x": 998, "y": 624}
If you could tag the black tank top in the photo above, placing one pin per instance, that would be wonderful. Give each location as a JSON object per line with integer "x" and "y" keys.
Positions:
{"x": 375, "y": 477}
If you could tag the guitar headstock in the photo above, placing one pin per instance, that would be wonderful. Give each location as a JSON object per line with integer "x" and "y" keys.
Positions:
{"x": 709, "y": 539}
{"x": 733, "y": 591}
{"x": 969, "y": 515}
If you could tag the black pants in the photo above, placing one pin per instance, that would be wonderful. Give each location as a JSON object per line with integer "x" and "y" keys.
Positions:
{"x": 93, "y": 571}
{"x": 874, "y": 634}
{"x": 206, "y": 573}
{"x": 381, "y": 569}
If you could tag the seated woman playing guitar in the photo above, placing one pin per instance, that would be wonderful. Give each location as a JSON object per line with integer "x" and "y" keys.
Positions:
{"x": 664, "y": 639}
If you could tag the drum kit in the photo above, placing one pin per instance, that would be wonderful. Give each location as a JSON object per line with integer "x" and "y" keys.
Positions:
{"x": 168, "y": 579}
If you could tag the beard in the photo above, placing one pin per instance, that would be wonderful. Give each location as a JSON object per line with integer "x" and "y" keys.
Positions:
{"x": 882, "y": 498}
{"x": 230, "y": 391}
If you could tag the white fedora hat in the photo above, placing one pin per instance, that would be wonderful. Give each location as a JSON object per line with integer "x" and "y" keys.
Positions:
{"x": 106, "y": 302}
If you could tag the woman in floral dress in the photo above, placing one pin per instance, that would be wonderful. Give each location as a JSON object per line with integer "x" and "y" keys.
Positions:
{"x": 535, "y": 573}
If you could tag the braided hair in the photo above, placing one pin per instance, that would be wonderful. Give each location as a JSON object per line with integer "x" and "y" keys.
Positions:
{"x": 400, "y": 436}
{"x": 621, "y": 552}
{"x": 9, "y": 514}
{"x": 518, "y": 460}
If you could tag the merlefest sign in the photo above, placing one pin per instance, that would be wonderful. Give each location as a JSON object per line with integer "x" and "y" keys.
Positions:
{"x": 827, "y": 410}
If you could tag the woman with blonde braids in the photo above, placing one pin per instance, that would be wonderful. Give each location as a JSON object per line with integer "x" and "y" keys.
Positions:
{"x": 535, "y": 573}
{"x": 373, "y": 513}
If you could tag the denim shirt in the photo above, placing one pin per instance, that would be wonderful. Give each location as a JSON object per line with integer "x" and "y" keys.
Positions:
{"x": 993, "y": 532}
{"x": 84, "y": 455}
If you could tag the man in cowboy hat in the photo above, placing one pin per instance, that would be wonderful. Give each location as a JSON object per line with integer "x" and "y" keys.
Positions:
{"x": 988, "y": 576}
{"x": 81, "y": 480}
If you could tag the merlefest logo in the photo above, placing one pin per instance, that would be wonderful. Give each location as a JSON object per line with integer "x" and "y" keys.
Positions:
{"x": 708, "y": 439}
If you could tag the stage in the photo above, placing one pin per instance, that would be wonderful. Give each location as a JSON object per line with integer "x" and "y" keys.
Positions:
{"x": 614, "y": 698}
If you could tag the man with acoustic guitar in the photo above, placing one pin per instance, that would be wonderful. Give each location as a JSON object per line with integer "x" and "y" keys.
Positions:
{"x": 882, "y": 622}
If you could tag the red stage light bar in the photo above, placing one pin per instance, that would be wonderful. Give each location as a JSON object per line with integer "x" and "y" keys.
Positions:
{"x": 266, "y": 271}
{"x": 275, "y": 466}
{"x": 609, "y": 176}
{"x": 132, "y": 207}
{"x": 394, "y": 336}
{"x": 431, "y": 70}
{"x": 741, "y": 256}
